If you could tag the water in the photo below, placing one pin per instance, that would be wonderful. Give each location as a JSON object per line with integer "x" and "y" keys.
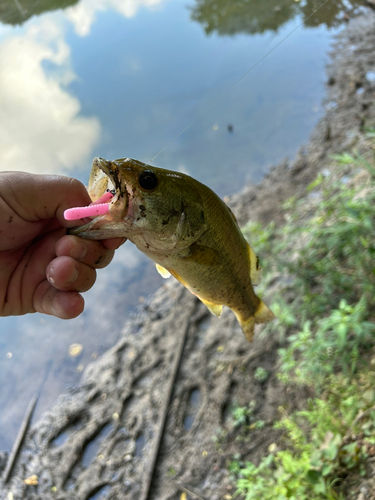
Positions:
{"x": 115, "y": 78}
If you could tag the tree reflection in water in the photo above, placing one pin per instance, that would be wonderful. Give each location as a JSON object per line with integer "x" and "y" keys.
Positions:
{"x": 19, "y": 11}
{"x": 228, "y": 17}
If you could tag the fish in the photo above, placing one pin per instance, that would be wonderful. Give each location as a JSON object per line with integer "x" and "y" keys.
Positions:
{"x": 185, "y": 228}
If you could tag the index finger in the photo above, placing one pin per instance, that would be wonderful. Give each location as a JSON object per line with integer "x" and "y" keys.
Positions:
{"x": 37, "y": 197}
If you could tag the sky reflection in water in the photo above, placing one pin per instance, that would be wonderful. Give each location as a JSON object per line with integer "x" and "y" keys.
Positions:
{"x": 116, "y": 78}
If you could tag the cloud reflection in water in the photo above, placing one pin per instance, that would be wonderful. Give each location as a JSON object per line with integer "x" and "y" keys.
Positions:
{"x": 83, "y": 14}
{"x": 41, "y": 129}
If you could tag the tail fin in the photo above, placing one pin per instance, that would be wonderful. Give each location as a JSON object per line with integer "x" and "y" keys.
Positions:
{"x": 262, "y": 315}
{"x": 248, "y": 328}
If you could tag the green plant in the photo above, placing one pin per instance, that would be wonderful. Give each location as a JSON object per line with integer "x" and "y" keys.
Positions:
{"x": 242, "y": 414}
{"x": 261, "y": 375}
{"x": 281, "y": 477}
{"x": 325, "y": 257}
{"x": 334, "y": 346}
{"x": 258, "y": 424}
{"x": 318, "y": 452}
{"x": 219, "y": 437}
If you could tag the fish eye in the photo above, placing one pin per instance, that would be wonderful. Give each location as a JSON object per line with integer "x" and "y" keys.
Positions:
{"x": 148, "y": 180}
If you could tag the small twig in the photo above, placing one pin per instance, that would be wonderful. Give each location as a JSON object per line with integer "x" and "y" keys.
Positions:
{"x": 163, "y": 418}
{"x": 242, "y": 360}
{"x": 191, "y": 493}
{"x": 20, "y": 437}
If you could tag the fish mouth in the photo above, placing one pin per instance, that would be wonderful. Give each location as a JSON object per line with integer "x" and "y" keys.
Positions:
{"x": 106, "y": 176}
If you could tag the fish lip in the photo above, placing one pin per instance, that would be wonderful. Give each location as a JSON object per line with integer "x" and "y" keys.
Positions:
{"x": 106, "y": 167}
{"x": 78, "y": 230}
{"x": 118, "y": 206}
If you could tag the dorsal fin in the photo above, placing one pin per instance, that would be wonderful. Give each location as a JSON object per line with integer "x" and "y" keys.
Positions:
{"x": 232, "y": 214}
{"x": 255, "y": 268}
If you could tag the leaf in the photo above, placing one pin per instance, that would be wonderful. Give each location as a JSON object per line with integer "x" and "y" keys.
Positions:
{"x": 342, "y": 330}
{"x": 327, "y": 469}
{"x": 313, "y": 476}
{"x": 315, "y": 183}
{"x": 343, "y": 159}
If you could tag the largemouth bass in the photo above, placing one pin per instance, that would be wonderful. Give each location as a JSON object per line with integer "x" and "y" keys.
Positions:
{"x": 186, "y": 229}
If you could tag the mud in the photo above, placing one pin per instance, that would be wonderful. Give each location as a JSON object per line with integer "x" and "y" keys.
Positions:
{"x": 97, "y": 441}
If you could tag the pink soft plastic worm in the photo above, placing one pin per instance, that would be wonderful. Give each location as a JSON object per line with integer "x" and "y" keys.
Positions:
{"x": 98, "y": 207}
{"x": 103, "y": 199}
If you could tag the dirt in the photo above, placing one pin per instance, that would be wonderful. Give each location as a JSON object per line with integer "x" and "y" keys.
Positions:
{"x": 97, "y": 441}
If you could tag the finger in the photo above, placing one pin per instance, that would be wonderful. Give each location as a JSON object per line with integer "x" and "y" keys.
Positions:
{"x": 35, "y": 197}
{"x": 90, "y": 252}
{"x": 64, "y": 305}
{"x": 66, "y": 274}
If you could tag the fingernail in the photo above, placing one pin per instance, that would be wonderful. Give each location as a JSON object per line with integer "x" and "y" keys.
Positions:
{"x": 79, "y": 251}
{"x": 73, "y": 276}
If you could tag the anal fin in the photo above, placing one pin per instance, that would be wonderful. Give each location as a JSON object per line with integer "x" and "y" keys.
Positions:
{"x": 214, "y": 309}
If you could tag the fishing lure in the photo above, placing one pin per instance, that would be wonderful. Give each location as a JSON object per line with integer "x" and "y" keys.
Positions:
{"x": 98, "y": 207}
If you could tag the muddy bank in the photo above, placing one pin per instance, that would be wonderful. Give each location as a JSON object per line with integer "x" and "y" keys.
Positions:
{"x": 98, "y": 440}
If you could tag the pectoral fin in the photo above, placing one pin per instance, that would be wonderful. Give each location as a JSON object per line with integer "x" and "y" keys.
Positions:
{"x": 203, "y": 255}
{"x": 214, "y": 309}
{"x": 162, "y": 271}
{"x": 255, "y": 268}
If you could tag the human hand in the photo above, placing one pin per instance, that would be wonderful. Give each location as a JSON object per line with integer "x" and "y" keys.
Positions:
{"x": 41, "y": 268}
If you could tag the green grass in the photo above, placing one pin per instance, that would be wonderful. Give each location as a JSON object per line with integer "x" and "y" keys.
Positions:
{"x": 325, "y": 256}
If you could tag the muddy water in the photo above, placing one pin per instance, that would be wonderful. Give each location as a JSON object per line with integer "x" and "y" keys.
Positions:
{"x": 113, "y": 78}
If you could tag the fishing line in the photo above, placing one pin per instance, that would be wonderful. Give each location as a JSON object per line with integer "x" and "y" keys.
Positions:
{"x": 238, "y": 81}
